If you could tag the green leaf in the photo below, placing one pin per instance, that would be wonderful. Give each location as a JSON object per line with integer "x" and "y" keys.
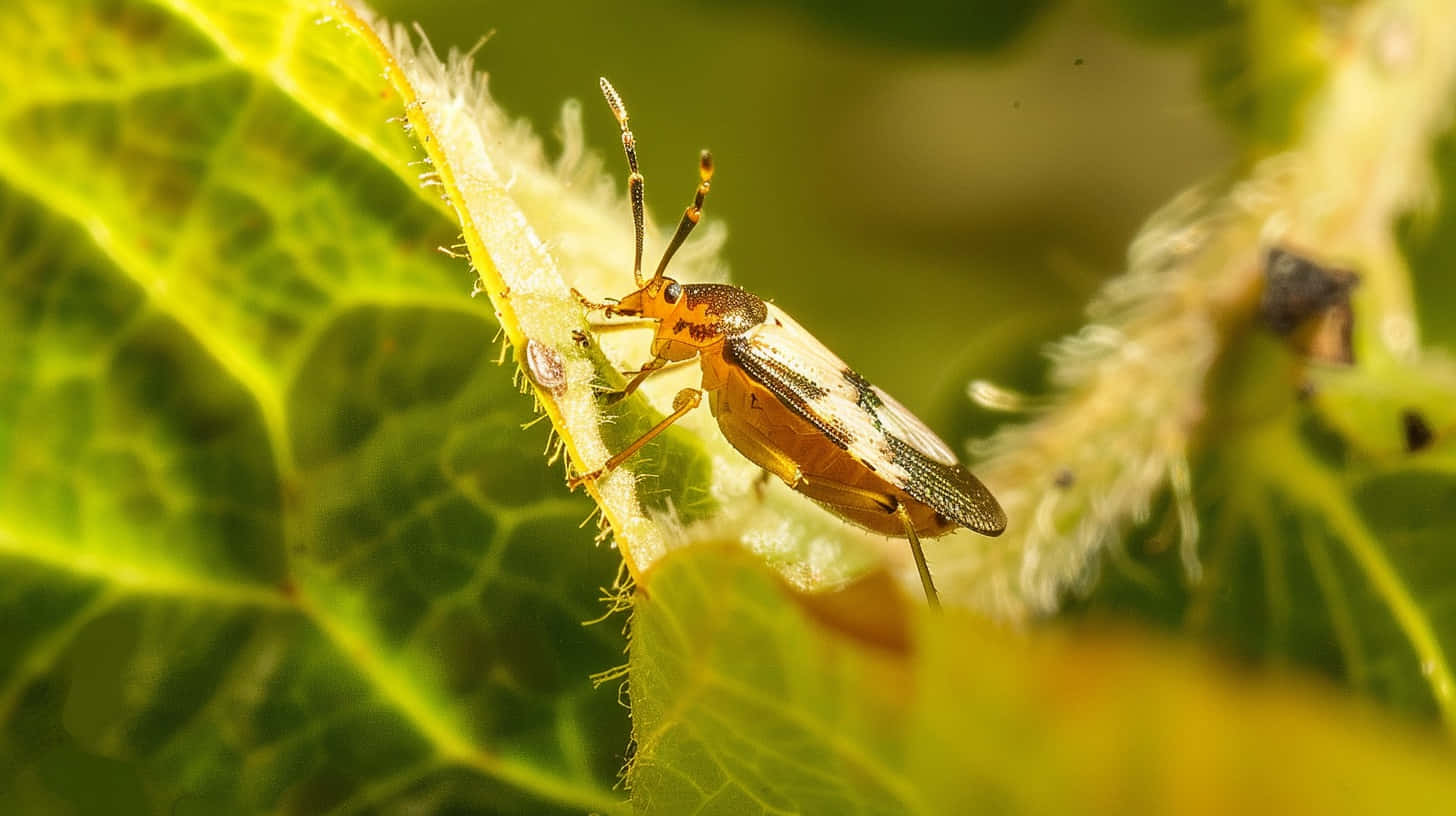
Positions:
{"x": 1263, "y": 62}
{"x": 1426, "y": 240}
{"x": 750, "y": 699}
{"x": 1323, "y": 538}
{"x": 271, "y": 537}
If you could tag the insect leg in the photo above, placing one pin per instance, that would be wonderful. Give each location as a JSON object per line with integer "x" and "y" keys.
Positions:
{"x": 685, "y": 401}
{"x": 634, "y": 178}
{"x": 692, "y": 214}
{"x": 652, "y": 366}
{"x": 607, "y": 328}
{"x": 665, "y": 366}
{"x": 761, "y": 482}
{"x": 592, "y": 305}
{"x": 761, "y": 450}
{"x": 855, "y": 498}
{"x": 926, "y": 582}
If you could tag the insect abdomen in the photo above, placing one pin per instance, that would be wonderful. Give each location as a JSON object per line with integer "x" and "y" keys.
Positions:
{"x": 773, "y": 436}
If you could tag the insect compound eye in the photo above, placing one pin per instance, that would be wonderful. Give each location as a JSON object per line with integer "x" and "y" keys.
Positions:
{"x": 672, "y": 292}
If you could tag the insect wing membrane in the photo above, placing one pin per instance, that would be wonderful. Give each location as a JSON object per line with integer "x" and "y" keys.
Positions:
{"x": 897, "y": 420}
{"x": 813, "y": 382}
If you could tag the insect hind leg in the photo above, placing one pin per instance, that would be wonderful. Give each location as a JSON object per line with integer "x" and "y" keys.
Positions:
{"x": 926, "y": 582}
{"x": 857, "y": 498}
{"x": 685, "y": 401}
{"x": 756, "y": 447}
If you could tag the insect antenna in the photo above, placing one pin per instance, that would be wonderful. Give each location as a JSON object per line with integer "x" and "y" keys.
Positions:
{"x": 634, "y": 178}
{"x": 692, "y": 214}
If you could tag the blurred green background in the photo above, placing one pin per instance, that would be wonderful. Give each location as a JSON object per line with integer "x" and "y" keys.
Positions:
{"x": 888, "y": 172}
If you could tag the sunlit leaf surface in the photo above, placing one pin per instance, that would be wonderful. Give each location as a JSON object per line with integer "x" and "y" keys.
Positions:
{"x": 271, "y": 537}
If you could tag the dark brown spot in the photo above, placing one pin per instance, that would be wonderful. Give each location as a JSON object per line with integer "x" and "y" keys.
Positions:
{"x": 1418, "y": 434}
{"x": 868, "y": 400}
{"x": 1309, "y": 303}
{"x": 1297, "y": 288}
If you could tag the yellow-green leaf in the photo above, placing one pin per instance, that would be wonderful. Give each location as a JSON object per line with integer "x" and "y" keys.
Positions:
{"x": 748, "y": 699}
{"x": 271, "y": 536}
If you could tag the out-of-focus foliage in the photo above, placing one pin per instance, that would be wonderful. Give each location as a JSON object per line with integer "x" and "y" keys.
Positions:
{"x": 272, "y": 536}
{"x": 753, "y": 702}
{"x": 1324, "y": 493}
{"x": 1321, "y": 534}
{"x": 1426, "y": 237}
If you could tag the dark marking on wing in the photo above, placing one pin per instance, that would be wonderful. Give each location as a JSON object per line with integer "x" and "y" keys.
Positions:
{"x": 868, "y": 401}
{"x": 951, "y": 489}
{"x": 795, "y": 390}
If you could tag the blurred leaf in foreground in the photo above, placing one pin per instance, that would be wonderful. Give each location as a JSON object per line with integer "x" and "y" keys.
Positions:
{"x": 749, "y": 699}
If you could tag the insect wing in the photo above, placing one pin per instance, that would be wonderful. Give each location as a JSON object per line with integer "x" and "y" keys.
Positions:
{"x": 874, "y": 427}
{"x": 896, "y": 420}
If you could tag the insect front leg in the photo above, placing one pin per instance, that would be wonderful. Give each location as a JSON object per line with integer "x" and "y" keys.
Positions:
{"x": 608, "y": 328}
{"x": 685, "y": 401}
{"x": 592, "y": 305}
{"x": 652, "y": 366}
